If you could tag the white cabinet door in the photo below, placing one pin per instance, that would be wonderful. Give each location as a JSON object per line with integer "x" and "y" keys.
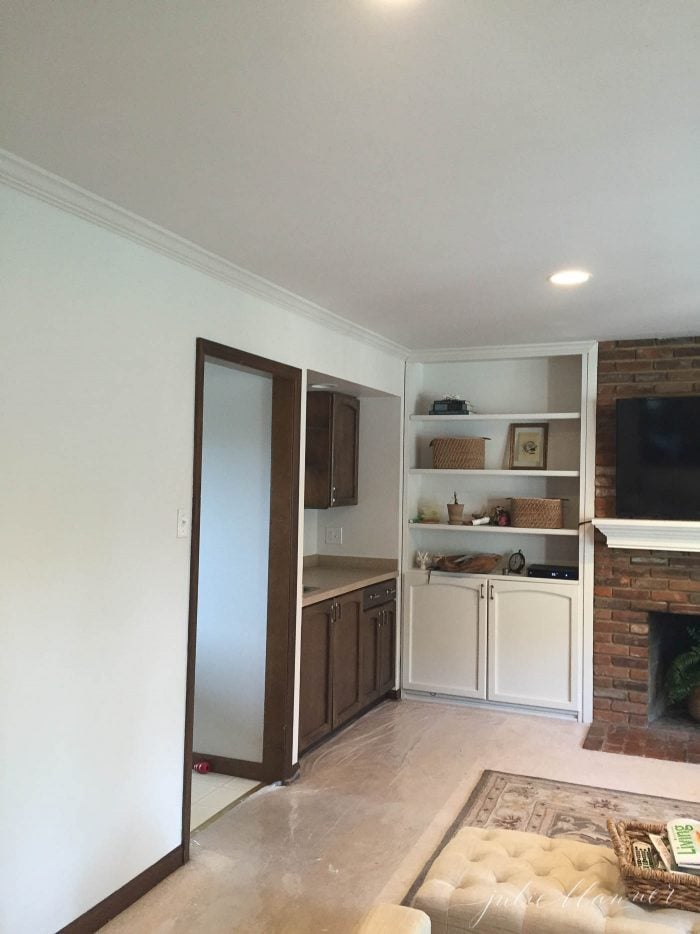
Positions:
{"x": 533, "y": 643}
{"x": 445, "y": 647}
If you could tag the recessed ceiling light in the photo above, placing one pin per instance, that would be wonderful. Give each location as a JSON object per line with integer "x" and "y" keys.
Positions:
{"x": 570, "y": 277}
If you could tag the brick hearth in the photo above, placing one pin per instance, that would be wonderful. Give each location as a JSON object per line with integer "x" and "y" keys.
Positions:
{"x": 631, "y": 584}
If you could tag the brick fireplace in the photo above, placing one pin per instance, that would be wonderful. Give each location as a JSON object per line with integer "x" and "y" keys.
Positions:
{"x": 638, "y": 589}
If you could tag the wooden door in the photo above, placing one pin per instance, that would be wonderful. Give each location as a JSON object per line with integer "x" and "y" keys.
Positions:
{"x": 346, "y": 436}
{"x": 315, "y": 700}
{"x": 319, "y": 450}
{"x": 346, "y": 657}
{"x": 533, "y": 643}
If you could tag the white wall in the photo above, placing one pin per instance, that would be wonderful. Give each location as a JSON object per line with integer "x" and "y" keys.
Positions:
{"x": 371, "y": 528}
{"x": 229, "y": 701}
{"x": 311, "y": 531}
{"x": 96, "y": 419}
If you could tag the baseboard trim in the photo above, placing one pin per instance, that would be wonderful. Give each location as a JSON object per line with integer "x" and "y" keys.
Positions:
{"x": 239, "y": 768}
{"x": 131, "y": 892}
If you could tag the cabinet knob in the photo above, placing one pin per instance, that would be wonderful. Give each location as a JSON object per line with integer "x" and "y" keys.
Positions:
{"x": 372, "y": 596}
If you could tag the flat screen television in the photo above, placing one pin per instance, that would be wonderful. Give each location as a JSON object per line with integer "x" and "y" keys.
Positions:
{"x": 658, "y": 458}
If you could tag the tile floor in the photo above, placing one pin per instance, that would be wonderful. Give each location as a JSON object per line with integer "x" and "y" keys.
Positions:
{"x": 213, "y": 793}
{"x": 369, "y": 808}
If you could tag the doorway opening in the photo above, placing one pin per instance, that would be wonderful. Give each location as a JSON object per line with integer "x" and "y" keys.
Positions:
{"x": 243, "y": 578}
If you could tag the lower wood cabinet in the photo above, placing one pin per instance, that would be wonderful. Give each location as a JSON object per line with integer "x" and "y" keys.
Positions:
{"x": 315, "y": 700}
{"x": 347, "y": 662}
{"x": 511, "y": 640}
{"x": 378, "y": 652}
{"x": 345, "y": 668}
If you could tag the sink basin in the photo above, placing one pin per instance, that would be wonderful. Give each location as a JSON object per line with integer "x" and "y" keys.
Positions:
{"x": 309, "y": 589}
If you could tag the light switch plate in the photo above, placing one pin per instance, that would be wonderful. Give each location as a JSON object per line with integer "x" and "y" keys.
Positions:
{"x": 334, "y": 536}
{"x": 183, "y": 523}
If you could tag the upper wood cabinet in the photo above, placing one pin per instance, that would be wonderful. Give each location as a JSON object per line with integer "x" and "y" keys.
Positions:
{"x": 332, "y": 443}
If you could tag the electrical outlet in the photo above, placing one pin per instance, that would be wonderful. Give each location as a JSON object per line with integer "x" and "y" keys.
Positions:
{"x": 334, "y": 536}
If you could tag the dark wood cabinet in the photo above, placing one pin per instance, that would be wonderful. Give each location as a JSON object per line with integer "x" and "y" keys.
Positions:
{"x": 346, "y": 657}
{"x": 386, "y": 648}
{"x": 332, "y": 446}
{"x": 315, "y": 698}
{"x": 377, "y": 642}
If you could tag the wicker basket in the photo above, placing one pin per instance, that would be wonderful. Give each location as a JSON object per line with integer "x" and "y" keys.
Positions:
{"x": 459, "y": 453}
{"x": 651, "y": 887}
{"x": 532, "y": 513}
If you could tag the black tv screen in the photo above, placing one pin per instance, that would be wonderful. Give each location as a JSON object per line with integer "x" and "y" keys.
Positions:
{"x": 658, "y": 458}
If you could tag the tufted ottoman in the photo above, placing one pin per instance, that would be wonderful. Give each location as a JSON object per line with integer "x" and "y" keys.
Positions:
{"x": 508, "y": 882}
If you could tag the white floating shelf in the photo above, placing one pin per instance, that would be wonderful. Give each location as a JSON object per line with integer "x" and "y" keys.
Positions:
{"x": 660, "y": 534}
{"x": 485, "y": 529}
{"x": 494, "y": 417}
{"x": 488, "y": 472}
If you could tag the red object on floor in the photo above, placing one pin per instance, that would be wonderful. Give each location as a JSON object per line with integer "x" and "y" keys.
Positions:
{"x": 203, "y": 767}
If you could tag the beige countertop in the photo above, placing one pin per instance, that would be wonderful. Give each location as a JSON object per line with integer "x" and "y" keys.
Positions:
{"x": 342, "y": 577}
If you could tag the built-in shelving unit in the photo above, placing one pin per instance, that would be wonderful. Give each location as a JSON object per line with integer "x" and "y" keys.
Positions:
{"x": 499, "y": 417}
{"x": 485, "y": 529}
{"x": 553, "y": 385}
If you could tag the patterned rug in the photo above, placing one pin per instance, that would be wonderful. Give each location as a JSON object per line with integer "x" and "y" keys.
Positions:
{"x": 553, "y": 809}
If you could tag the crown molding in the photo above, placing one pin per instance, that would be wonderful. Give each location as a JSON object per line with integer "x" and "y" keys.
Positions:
{"x": 505, "y": 351}
{"x": 33, "y": 180}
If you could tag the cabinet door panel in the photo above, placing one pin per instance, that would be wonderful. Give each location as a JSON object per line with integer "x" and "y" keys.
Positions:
{"x": 386, "y": 649}
{"x": 346, "y": 657}
{"x": 369, "y": 658}
{"x": 533, "y": 644}
{"x": 315, "y": 713}
{"x": 346, "y": 431}
{"x": 446, "y": 636}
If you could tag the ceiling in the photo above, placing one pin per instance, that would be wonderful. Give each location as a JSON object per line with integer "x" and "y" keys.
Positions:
{"x": 418, "y": 167}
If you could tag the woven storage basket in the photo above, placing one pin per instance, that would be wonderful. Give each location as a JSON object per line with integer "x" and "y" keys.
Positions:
{"x": 654, "y": 887}
{"x": 532, "y": 513}
{"x": 459, "y": 453}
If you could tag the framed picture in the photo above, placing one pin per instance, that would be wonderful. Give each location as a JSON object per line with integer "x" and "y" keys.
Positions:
{"x": 528, "y": 447}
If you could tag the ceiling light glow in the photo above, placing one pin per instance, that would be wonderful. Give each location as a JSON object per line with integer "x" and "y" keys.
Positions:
{"x": 570, "y": 277}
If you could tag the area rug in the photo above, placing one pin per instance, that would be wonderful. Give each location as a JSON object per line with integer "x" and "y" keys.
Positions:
{"x": 553, "y": 809}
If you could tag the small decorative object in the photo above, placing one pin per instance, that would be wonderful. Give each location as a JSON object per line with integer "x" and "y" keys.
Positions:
{"x": 683, "y": 676}
{"x": 428, "y": 515}
{"x": 500, "y": 517}
{"x": 455, "y": 511}
{"x": 202, "y": 767}
{"x": 423, "y": 560}
{"x": 516, "y": 562}
{"x": 451, "y": 405}
{"x": 459, "y": 453}
{"x": 528, "y": 447}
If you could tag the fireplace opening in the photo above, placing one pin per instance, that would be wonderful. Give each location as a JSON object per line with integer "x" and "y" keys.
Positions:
{"x": 668, "y": 638}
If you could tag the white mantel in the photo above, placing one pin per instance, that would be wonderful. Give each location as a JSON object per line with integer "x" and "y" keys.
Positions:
{"x": 658, "y": 534}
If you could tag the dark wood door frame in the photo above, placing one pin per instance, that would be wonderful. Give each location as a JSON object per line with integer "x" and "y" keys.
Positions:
{"x": 277, "y": 761}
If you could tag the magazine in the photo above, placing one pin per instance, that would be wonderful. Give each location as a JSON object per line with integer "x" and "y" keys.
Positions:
{"x": 684, "y": 840}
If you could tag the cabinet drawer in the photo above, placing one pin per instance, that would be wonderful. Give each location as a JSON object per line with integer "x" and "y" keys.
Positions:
{"x": 378, "y": 594}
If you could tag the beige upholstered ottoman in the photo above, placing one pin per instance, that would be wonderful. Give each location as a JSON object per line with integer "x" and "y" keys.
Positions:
{"x": 497, "y": 881}
{"x": 395, "y": 919}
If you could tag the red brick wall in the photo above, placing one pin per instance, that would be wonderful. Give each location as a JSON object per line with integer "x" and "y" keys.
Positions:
{"x": 629, "y": 584}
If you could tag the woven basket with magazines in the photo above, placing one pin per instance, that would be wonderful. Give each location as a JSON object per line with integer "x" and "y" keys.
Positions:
{"x": 651, "y": 887}
{"x": 459, "y": 453}
{"x": 536, "y": 513}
